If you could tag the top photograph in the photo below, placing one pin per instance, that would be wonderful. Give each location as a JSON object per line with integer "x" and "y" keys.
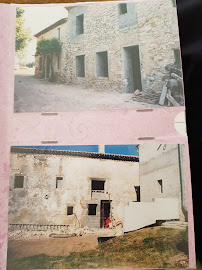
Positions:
{"x": 97, "y": 56}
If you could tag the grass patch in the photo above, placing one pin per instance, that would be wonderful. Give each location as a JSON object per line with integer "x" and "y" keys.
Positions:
{"x": 146, "y": 248}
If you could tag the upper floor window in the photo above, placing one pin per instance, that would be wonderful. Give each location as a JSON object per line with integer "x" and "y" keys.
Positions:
{"x": 59, "y": 182}
{"x": 174, "y": 3}
{"x": 160, "y": 186}
{"x": 79, "y": 24}
{"x": 98, "y": 186}
{"x": 123, "y": 8}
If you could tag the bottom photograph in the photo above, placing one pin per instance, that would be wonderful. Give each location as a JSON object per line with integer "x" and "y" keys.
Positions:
{"x": 97, "y": 206}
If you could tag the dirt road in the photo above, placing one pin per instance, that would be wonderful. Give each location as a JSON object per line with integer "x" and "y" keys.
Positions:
{"x": 37, "y": 95}
{"x": 20, "y": 248}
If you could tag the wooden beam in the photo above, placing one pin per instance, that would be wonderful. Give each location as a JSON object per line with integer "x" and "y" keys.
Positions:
{"x": 176, "y": 77}
{"x": 172, "y": 100}
{"x": 169, "y": 93}
{"x": 163, "y": 95}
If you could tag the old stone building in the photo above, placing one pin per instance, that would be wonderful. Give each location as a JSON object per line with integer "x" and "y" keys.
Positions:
{"x": 82, "y": 189}
{"x": 122, "y": 47}
{"x": 70, "y": 188}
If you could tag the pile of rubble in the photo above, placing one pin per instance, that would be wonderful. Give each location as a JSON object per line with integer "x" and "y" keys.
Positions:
{"x": 148, "y": 97}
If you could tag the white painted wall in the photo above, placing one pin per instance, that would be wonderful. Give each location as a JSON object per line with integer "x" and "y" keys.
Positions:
{"x": 161, "y": 162}
{"x": 141, "y": 214}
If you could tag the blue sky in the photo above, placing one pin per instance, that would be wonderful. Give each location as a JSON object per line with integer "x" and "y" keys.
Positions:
{"x": 124, "y": 149}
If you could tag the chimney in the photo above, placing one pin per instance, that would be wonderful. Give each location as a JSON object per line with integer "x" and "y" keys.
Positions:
{"x": 101, "y": 149}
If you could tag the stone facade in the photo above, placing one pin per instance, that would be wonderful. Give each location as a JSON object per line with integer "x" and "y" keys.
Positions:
{"x": 46, "y": 184}
{"x": 162, "y": 174}
{"x": 120, "y": 47}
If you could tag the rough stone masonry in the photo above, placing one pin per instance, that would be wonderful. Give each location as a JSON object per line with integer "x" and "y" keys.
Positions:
{"x": 121, "y": 47}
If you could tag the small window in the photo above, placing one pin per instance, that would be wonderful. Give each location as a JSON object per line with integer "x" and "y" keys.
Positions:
{"x": 160, "y": 186}
{"x": 59, "y": 182}
{"x": 58, "y": 33}
{"x": 174, "y": 3}
{"x": 92, "y": 209}
{"x": 79, "y": 24}
{"x": 19, "y": 181}
{"x": 98, "y": 185}
{"x": 80, "y": 66}
{"x": 137, "y": 190}
{"x": 102, "y": 64}
{"x": 69, "y": 210}
{"x": 123, "y": 8}
{"x": 40, "y": 63}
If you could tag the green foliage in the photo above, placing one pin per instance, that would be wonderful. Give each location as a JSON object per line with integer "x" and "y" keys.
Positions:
{"x": 148, "y": 241}
{"x": 30, "y": 65}
{"x": 19, "y": 12}
{"x": 183, "y": 243}
{"x": 48, "y": 46}
{"x": 22, "y": 33}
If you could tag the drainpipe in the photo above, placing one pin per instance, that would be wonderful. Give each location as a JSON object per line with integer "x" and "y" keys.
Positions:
{"x": 181, "y": 184}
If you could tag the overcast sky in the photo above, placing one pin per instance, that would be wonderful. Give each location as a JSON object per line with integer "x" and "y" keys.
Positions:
{"x": 38, "y": 18}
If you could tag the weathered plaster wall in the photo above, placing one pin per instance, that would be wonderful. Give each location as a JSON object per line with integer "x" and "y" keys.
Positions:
{"x": 40, "y": 202}
{"x": 150, "y": 25}
{"x": 162, "y": 163}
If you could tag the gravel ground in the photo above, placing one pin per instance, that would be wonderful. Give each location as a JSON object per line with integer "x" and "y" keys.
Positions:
{"x": 20, "y": 248}
{"x": 37, "y": 95}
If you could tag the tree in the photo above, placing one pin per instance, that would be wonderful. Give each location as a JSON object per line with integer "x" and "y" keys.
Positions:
{"x": 22, "y": 33}
{"x": 47, "y": 47}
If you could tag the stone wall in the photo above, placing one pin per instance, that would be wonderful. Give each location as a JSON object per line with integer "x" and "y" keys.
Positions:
{"x": 150, "y": 26}
{"x": 161, "y": 162}
{"x": 41, "y": 202}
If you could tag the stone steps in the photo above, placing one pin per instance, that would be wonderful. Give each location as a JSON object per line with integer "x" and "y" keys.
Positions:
{"x": 175, "y": 224}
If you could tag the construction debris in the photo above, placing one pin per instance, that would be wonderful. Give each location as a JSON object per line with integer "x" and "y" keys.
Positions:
{"x": 59, "y": 235}
{"x": 148, "y": 97}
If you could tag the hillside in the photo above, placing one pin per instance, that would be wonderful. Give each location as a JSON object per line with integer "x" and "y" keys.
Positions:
{"x": 154, "y": 247}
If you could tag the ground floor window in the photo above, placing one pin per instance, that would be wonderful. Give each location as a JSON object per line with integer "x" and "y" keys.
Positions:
{"x": 69, "y": 210}
{"x": 92, "y": 209}
{"x": 102, "y": 64}
{"x": 19, "y": 181}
